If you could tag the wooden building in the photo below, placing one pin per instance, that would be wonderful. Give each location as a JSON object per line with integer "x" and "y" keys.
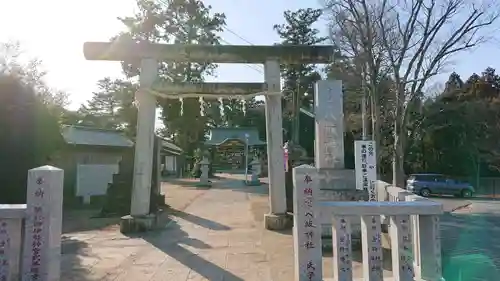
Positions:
{"x": 227, "y": 147}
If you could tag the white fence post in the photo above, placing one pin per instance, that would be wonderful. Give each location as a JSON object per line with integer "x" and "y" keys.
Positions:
{"x": 11, "y": 217}
{"x": 402, "y": 248}
{"x": 371, "y": 236}
{"x": 342, "y": 248}
{"x": 429, "y": 248}
{"x": 5, "y": 251}
{"x": 42, "y": 229}
{"x": 307, "y": 227}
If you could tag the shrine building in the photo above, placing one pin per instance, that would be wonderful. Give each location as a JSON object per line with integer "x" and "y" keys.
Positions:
{"x": 227, "y": 147}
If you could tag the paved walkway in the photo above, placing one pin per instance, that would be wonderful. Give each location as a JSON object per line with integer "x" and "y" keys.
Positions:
{"x": 215, "y": 234}
{"x": 214, "y": 237}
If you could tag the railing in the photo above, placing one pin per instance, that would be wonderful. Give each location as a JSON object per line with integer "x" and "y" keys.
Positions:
{"x": 30, "y": 234}
{"x": 412, "y": 219}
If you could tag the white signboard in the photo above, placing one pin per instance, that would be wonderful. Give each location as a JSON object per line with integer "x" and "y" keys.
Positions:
{"x": 366, "y": 167}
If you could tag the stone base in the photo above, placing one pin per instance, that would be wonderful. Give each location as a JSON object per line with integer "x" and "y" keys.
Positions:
{"x": 204, "y": 184}
{"x": 278, "y": 221}
{"x": 134, "y": 224}
{"x": 252, "y": 183}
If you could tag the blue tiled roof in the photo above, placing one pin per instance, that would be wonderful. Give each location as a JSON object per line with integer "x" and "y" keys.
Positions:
{"x": 170, "y": 147}
{"x": 80, "y": 135}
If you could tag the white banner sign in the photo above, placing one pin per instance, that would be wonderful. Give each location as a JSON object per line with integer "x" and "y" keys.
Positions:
{"x": 366, "y": 166}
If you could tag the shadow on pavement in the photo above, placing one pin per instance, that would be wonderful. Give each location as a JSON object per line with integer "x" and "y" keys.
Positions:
{"x": 209, "y": 224}
{"x": 71, "y": 252}
{"x": 239, "y": 185}
{"x": 86, "y": 219}
{"x": 185, "y": 182}
{"x": 175, "y": 242}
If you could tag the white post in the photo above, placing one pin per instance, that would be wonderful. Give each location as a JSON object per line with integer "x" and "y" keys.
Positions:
{"x": 274, "y": 132}
{"x": 428, "y": 260}
{"x": 143, "y": 159}
{"x": 307, "y": 229}
{"x": 372, "y": 248}
{"x": 42, "y": 229}
{"x": 342, "y": 248}
{"x": 401, "y": 248}
{"x": 11, "y": 221}
{"x": 329, "y": 112}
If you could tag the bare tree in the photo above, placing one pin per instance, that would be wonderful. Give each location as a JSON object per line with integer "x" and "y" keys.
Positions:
{"x": 353, "y": 31}
{"x": 415, "y": 39}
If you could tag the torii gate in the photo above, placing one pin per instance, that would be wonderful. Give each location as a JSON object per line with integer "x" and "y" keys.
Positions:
{"x": 150, "y": 54}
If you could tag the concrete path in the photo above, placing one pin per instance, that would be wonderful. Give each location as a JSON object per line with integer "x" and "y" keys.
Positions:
{"x": 215, "y": 234}
{"x": 213, "y": 238}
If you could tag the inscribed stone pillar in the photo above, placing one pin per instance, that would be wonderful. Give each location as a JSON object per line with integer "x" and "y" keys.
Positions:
{"x": 42, "y": 229}
{"x": 329, "y": 141}
{"x": 371, "y": 236}
{"x": 428, "y": 260}
{"x": 11, "y": 222}
{"x": 274, "y": 133}
{"x": 306, "y": 230}
{"x": 401, "y": 248}
{"x": 342, "y": 248}
{"x": 329, "y": 145}
{"x": 143, "y": 159}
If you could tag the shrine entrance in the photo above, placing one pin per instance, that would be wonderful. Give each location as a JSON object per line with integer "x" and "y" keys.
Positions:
{"x": 233, "y": 148}
{"x": 149, "y": 55}
{"x": 231, "y": 155}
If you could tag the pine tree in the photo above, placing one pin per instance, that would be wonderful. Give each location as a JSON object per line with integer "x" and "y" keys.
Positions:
{"x": 111, "y": 107}
{"x": 181, "y": 22}
{"x": 299, "y": 79}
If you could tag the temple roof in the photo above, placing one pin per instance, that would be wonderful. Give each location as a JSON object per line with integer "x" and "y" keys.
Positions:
{"x": 81, "y": 135}
{"x": 218, "y": 136}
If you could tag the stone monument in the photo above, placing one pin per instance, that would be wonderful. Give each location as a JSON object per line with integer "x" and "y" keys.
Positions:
{"x": 256, "y": 170}
{"x": 335, "y": 182}
{"x": 41, "y": 259}
{"x": 306, "y": 231}
{"x": 204, "y": 177}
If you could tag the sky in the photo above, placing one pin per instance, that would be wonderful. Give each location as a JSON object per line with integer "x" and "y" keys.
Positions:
{"x": 55, "y": 30}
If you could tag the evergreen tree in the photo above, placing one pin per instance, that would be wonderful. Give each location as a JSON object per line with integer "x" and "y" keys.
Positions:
{"x": 29, "y": 136}
{"x": 181, "y": 22}
{"x": 111, "y": 107}
{"x": 29, "y": 129}
{"x": 461, "y": 127}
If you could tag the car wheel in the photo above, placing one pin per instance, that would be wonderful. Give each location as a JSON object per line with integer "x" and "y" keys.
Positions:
{"x": 425, "y": 192}
{"x": 466, "y": 193}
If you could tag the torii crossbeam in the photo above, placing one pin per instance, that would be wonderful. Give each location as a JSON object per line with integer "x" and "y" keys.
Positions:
{"x": 149, "y": 54}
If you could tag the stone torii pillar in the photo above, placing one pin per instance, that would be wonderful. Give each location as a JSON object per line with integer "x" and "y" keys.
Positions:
{"x": 270, "y": 56}
{"x": 144, "y": 144}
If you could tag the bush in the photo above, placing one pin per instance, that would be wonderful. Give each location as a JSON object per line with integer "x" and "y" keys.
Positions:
{"x": 29, "y": 135}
